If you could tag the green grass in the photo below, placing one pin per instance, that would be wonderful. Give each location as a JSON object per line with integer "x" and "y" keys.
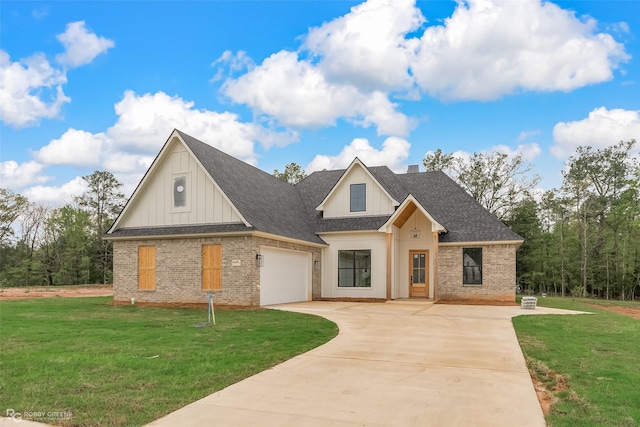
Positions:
{"x": 599, "y": 354}
{"x": 128, "y": 365}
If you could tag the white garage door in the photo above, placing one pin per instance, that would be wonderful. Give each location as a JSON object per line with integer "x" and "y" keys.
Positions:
{"x": 285, "y": 276}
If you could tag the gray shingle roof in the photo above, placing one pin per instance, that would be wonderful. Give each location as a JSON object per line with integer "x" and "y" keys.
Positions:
{"x": 266, "y": 202}
{"x": 273, "y": 206}
{"x": 464, "y": 218}
{"x": 448, "y": 203}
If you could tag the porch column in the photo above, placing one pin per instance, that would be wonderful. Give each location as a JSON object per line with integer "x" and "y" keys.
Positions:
{"x": 389, "y": 237}
{"x": 435, "y": 265}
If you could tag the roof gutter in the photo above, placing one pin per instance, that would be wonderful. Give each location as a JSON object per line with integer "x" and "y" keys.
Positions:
{"x": 215, "y": 234}
{"x": 178, "y": 236}
{"x": 518, "y": 243}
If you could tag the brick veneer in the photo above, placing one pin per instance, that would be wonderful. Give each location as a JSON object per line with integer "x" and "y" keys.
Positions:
{"x": 179, "y": 264}
{"x": 498, "y": 274}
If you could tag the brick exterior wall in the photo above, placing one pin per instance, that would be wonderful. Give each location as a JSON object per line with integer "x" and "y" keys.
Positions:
{"x": 179, "y": 270}
{"x": 498, "y": 274}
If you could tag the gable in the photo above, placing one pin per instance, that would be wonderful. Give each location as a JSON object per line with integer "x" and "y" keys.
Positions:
{"x": 157, "y": 202}
{"x": 338, "y": 202}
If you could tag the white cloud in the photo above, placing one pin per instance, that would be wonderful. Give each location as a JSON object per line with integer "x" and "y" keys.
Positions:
{"x": 15, "y": 176}
{"x": 601, "y": 129}
{"x": 490, "y": 48}
{"x": 526, "y": 134}
{"x": 56, "y": 195}
{"x": 145, "y": 121}
{"x": 293, "y": 91}
{"x": 349, "y": 68}
{"x": 74, "y": 147}
{"x": 128, "y": 148}
{"x": 297, "y": 94}
{"x": 229, "y": 63}
{"x": 367, "y": 47}
{"x": 81, "y": 46}
{"x": 394, "y": 152}
{"x": 30, "y": 89}
{"x": 528, "y": 151}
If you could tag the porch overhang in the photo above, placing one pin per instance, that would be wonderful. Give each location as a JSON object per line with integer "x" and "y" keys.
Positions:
{"x": 404, "y": 212}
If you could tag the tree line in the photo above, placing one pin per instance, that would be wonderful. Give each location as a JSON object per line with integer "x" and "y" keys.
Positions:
{"x": 581, "y": 239}
{"x": 63, "y": 246}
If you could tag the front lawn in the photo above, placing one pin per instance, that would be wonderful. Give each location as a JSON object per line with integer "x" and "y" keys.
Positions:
{"x": 599, "y": 354}
{"x": 106, "y": 365}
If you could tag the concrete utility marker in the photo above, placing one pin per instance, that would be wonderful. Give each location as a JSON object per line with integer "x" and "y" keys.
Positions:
{"x": 400, "y": 363}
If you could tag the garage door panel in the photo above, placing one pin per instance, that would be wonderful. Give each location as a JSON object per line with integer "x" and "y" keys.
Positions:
{"x": 284, "y": 277}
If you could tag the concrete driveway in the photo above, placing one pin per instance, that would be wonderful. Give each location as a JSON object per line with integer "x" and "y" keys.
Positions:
{"x": 400, "y": 363}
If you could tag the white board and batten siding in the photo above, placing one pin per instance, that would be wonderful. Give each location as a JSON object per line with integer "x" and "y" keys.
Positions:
{"x": 339, "y": 203}
{"x": 154, "y": 206}
{"x": 285, "y": 276}
{"x": 376, "y": 243}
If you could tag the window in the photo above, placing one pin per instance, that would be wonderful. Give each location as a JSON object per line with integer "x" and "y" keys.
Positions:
{"x": 472, "y": 266}
{"x": 358, "y": 197}
{"x": 354, "y": 269}
{"x": 146, "y": 268}
{"x": 180, "y": 192}
{"x": 211, "y": 267}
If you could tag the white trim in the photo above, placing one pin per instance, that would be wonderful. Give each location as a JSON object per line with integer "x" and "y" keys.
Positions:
{"x": 353, "y": 164}
{"x": 387, "y": 227}
{"x": 179, "y": 236}
{"x": 287, "y": 239}
{"x": 483, "y": 243}
{"x": 219, "y": 234}
{"x": 346, "y": 232}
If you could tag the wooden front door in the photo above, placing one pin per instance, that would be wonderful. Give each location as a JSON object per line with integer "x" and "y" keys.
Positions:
{"x": 419, "y": 274}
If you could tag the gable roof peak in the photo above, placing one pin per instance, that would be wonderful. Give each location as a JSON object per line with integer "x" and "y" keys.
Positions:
{"x": 357, "y": 162}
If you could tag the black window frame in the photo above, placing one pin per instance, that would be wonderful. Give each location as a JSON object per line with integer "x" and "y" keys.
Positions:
{"x": 472, "y": 266}
{"x": 358, "y": 272}
{"x": 358, "y": 201}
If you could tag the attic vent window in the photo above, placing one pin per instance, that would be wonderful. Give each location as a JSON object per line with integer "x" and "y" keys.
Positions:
{"x": 179, "y": 192}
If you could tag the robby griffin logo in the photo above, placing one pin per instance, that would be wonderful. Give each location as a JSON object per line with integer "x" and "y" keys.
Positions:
{"x": 38, "y": 415}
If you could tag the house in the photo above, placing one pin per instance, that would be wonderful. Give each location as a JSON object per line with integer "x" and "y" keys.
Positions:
{"x": 203, "y": 220}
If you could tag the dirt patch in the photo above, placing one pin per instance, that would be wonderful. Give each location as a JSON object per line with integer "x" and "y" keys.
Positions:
{"x": 50, "y": 292}
{"x": 476, "y": 302}
{"x": 191, "y": 305}
{"x": 547, "y": 383}
{"x": 620, "y": 309}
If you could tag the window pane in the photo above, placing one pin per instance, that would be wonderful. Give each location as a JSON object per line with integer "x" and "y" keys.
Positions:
{"x": 362, "y": 259}
{"x": 345, "y": 277}
{"x": 363, "y": 278}
{"x": 472, "y": 266}
{"x": 345, "y": 259}
{"x": 180, "y": 192}
{"x": 358, "y": 197}
{"x": 354, "y": 268}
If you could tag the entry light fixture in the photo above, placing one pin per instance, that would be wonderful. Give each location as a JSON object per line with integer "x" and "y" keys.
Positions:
{"x": 316, "y": 264}
{"x": 414, "y": 232}
{"x": 259, "y": 260}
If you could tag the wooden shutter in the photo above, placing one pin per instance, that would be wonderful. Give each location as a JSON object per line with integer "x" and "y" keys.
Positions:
{"x": 146, "y": 268}
{"x": 211, "y": 267}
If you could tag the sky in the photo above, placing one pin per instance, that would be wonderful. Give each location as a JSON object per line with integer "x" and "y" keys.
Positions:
{"x": 100, "y": 85}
